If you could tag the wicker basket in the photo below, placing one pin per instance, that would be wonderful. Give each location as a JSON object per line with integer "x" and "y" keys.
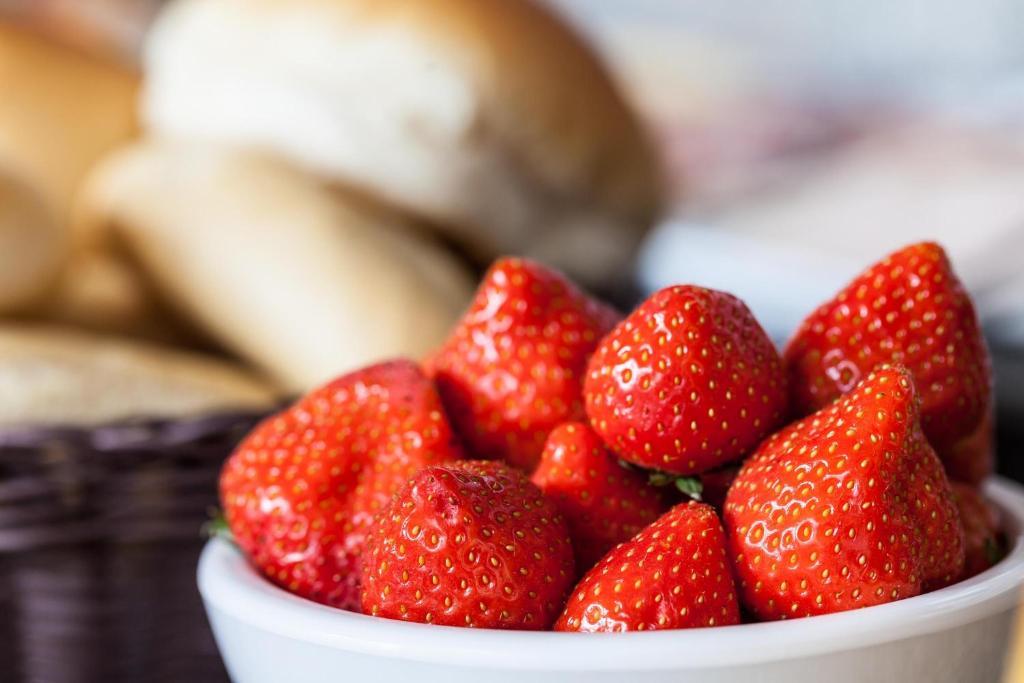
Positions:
{"x": 100, "y": 530}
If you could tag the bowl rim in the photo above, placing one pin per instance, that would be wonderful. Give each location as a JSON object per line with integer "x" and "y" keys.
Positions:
{"x": 231, "y": 587}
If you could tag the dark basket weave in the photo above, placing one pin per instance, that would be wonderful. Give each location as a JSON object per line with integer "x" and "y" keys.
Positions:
{"x": 100, "y": 531}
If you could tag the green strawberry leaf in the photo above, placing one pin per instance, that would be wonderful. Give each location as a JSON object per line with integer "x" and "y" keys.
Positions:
{"x": 690, "y": 486}
{"x": 217, "y": 526}
{"x": 660, "y": 479}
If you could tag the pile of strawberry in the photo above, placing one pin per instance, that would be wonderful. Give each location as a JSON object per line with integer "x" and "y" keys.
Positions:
{"x": 533, "y": 472}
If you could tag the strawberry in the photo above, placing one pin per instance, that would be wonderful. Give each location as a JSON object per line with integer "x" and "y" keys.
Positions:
{"x": 688, "y": 382}
{"x": 301, "y": 489}
{"x": 512, "y": 369}
{"x": 973, "y": 458}
{"x": 909, "y": 309}
{"x": 980, "y": 521}
{"x": 846, "y": 508}
{"x": 674, "y": 574}
{"x": 469, "y": 544}
{"x": 603, "y": 502}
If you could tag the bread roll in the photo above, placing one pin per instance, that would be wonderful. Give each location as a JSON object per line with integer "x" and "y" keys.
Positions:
{"x": 101, "y": 290}
{"x": 488, "y": 117}
{"x": 59, "y": 111}
{"x": 54, "y": 375}
{"x": 272, "y": 264}
{"x": 32, "y": 245}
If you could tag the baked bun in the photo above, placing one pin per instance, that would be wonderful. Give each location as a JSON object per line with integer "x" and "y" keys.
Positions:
{"x": 32, "y": 245}
{"x": 489, "y": 118}
{"x": 269, "y": 262}
{"x": 55, "y": 375}
{"x": 102, "y": 290}
{"x": 60, "y": 110}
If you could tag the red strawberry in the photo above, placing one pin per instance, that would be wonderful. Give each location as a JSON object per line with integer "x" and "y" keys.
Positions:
{"x": 688, "y": 382}
{"x": 603, "y": 502}
{"x": 513, "y": 367}
{"x": 300, "y": 491}
{"x": 909, "y": 309}
{"x": 844, "y": 509}
{"x": 469, "y": 544}
{"x": 973, "y": 458}
{"x": 674, "y": 574}
{"x": 981, "y": 529}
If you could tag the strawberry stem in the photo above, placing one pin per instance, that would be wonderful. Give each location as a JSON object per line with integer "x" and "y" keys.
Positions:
{"x": 690, "y": 486}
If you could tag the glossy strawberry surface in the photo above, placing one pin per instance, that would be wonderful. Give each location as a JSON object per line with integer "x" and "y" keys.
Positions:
{"x": 512, "y": 369}
{"x": 846, "y": 508}
{"x": 910, "y": 309}
{"x": 688, "y": 382}
{"x": 469, "y": 544}
{"x": 300, "y": 491}
{"x": 603, "y": 502}
{"x": 674, "y": 574}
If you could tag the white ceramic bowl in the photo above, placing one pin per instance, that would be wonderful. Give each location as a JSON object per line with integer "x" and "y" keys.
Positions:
{"x": 957, "y": 634}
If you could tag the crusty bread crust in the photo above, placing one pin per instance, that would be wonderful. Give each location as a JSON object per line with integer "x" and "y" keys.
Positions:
{"x": 57, "y": 375}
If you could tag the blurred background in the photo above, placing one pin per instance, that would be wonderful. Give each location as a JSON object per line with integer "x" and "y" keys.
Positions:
{"x": 208, "y": 207}
{"x": 803, "y": 140}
